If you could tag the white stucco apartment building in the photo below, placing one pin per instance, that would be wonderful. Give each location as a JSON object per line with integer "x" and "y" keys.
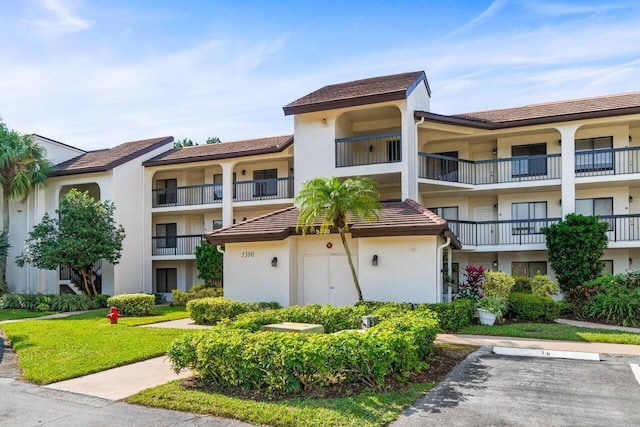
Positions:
{"x": 497, "y": 177}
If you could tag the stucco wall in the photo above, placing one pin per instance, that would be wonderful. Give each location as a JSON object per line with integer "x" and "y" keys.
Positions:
{"x": 406, "y": 271}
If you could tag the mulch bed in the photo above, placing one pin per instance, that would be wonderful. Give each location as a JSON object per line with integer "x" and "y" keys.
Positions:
{"x": 444, "y": 358}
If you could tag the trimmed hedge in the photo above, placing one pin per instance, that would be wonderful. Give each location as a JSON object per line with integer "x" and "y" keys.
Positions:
{"x": 180, "y": 299}
{"x": 234, "y": 354}
{"x": 133, "y": 304}
{"x": 62, "y": 302}
{"x": 533, "y": 307}
{"x": 451, "y": 316}
{"x": 209, "y": 311}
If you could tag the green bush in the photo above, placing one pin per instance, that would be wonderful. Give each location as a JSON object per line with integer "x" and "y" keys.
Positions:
{"x": 629, "y": 279}
{"x": 133, "y": 304}
{"x": 616, "y": 303}
{"x": 542, "y": 285}
{"x": 494, "y": 304}
{"x": 71, "y": 302}
{"x": 180, "y": 298}
{"x": 522, "y": 284}
{"x": 159, "y": 297}
{"x": 99, "y": 301}
{"x": 451, "y": 316}
{"x": 497, "y": 284}
{"x": 579, "y": 299}
{"x": 209, "y": 311}
{"x": 533, "y": 307}
{"x": 235, "y": 355}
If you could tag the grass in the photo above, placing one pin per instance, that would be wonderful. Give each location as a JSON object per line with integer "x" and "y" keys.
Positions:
{"x": 554, "y": 331}
{"x": 57, "y": 349}
{"x": 11, "y": 314}
{"x": 371, "y": 408}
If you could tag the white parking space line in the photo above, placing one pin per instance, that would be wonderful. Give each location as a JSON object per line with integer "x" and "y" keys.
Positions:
{"x": 536, "y": 352}
{"x": 636, "y": 371}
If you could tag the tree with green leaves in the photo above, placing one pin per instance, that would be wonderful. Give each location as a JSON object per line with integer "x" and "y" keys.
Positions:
{"x": 82, "y": 233}
{"x": 209, "y": 264}
{"x": 332, "y": 202}
{"x": 575, "y": 246}
{"x": 4, "y": 244}
{"x": 187, "y": 142}
{"x": 23, "y": 167}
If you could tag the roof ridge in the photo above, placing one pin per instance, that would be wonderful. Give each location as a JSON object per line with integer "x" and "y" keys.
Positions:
{"x": 250, "y": 220}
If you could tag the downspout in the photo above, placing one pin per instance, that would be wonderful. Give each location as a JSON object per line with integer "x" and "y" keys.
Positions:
{"x": 220, "y": 248}
{"x": 439, "y": 253}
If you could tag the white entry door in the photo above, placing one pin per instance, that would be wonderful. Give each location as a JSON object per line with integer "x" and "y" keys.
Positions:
{"x": 327, "y": 280}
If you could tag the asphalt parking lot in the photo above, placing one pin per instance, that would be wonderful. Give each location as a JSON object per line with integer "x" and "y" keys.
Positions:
{"x": 492, "y": 390}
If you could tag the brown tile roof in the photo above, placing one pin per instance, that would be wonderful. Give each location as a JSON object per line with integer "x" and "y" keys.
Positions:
{"x": 359, "y": 92}
{"x": 223, "y": 150}
{"x": 104, "y": 160}
{"x": 406, "y": 218}
{"x": 577, "y": 109}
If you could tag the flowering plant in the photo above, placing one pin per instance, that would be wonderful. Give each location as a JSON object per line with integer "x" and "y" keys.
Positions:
{"x": 472, "y": 287}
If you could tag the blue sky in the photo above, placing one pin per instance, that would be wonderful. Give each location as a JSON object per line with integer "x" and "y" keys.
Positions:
{"x": 97, "y": 73}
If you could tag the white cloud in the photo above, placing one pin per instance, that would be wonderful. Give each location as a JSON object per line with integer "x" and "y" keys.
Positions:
{"x": 493, "y": 8}
{"x": 60, "y": 18}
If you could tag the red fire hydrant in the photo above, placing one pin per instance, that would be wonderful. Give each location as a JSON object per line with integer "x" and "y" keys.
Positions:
{"x": 113, "y": 315}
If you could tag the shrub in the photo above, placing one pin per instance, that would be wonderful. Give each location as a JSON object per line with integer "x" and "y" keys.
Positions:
{"x": 617, "y": 302}
{"x": 71, "y": 302}
{"x": 497, "y": 283}
{"x": 533, "y": 307}
{"x": 579, "y": 299}
{"x": 629, "y": 279}
{"x": 543, "y": 285}
{"x": 472, "y": 287}
{"x": 99, "y": 301}
{"x": 234, "y": 355}
{"x": 132, "y": 304}
{"x": 522, "y": 284}
{"x": 180, "y": 299}
{"x": 159, "y": 298}
{"x": 209, "y": 311}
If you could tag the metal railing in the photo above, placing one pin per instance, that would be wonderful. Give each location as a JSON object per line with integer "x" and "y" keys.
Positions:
{"x": 514, "y": 169}
{"x": 175, "y": 245}
{"x": 622, "y": 228}
{"x": 619, "y": 161}
{"x": 204, "y": 194}
{"x": 369, "y": 149}
{"x": 263, "y": 189}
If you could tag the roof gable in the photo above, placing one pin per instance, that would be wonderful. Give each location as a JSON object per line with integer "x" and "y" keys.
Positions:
{"x": 406, "y": 218}
{"x": 358, "y": 92}
{"x": 107, "y": 159}
{"x": 222, "y": 150}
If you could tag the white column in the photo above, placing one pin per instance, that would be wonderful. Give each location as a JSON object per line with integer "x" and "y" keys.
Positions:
{"x": 568, "y": 186}
{"x": 409, "y": 178}
{"x": 227, "y": 193}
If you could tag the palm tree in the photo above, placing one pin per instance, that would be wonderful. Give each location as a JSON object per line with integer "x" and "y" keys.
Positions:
{"x": 333, "y": 202}
{"x": 23, "y": 167}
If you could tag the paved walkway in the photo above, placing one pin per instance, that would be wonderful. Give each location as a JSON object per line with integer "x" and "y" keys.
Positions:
{"x": 598, "y": 326}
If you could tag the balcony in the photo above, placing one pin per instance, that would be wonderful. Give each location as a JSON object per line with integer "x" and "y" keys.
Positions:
{"x": 369, "y": 149}
{"x": 496, "y": 171}
{"x": 619, "y": 161}
{"x": 622, "y": 228}
{"x": 206, "y": 194}
{"x": 175, "y": 245}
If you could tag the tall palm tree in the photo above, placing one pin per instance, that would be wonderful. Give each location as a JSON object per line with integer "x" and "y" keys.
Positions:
{"x": 332, "y": 201}
{"x": 23, "y": 167}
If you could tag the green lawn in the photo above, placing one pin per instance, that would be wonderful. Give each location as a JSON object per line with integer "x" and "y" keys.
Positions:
{"x": 10, "y": 314}
{"x": 367, "y": 409}
{"x": 58, "y": 349}
{"x": 553, "y": 331}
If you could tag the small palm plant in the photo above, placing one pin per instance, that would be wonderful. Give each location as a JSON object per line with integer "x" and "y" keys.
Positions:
{"x": 332, "y": 201}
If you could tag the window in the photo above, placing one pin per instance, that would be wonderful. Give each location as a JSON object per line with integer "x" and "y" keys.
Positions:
{"x": 594, "y": 154}
{"x": 167, "y": 191}
{"x": 533, "y": 213}
{"x": 266, "y": 183}
{"x": 394, "y": 150}
{"x": 607, "y": 266}
{"x": 528, "y": 269}
{"x": 529, "y": 166}
{"x": 217, "y": 186}
{"x": 217, "y": 223}
{"x": 448, "y": 213}
{"x": 166, "y": 279}
{"x": 444, "y": 167}
{"x": 166, "y": 235}
{"x": 601, "y": 207}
